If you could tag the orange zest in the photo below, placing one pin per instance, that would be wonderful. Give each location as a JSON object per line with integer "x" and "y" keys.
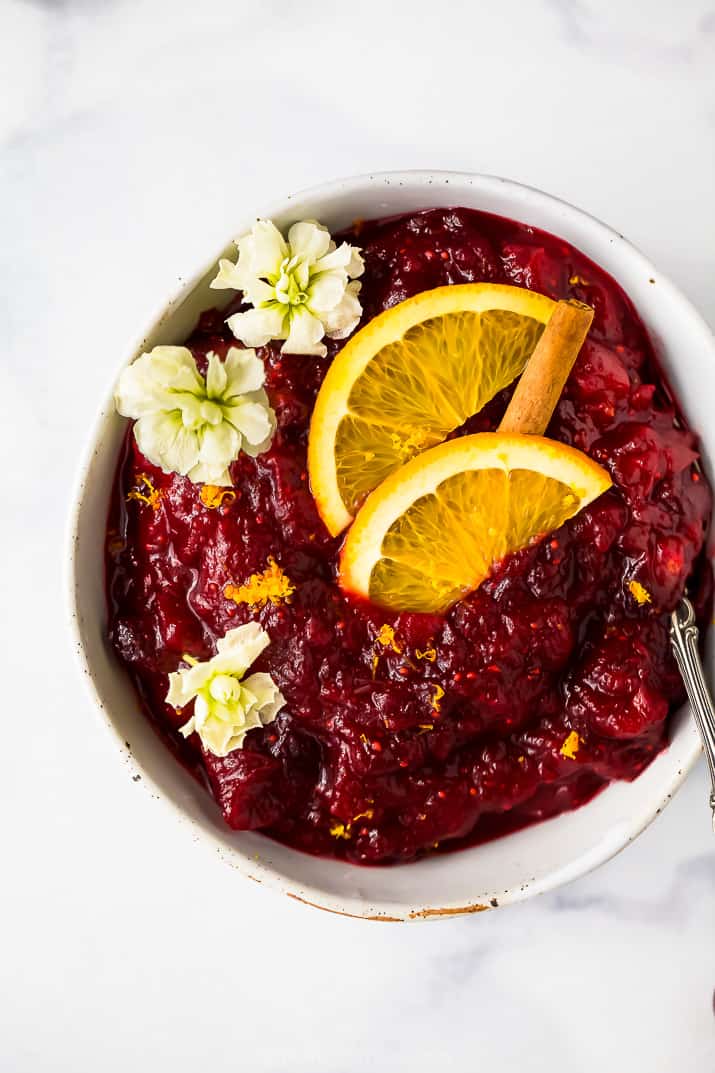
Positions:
{"x": 213, "y": 496}
{"x": 272, "y": 586}
{"x": 150, "y": 495}
{"x": 386, "y": 638}
{"x": 639, "y": 593}
{"x": 570, "y": 746}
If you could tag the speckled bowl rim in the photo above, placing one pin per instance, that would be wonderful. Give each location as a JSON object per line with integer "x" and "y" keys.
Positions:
{"x": 684, "y": 734}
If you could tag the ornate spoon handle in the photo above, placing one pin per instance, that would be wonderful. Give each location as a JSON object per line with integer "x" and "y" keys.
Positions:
{"x": 684, "y": 638}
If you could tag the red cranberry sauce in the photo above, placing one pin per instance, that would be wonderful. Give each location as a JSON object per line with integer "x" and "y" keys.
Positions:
{"x": 382, "y": 755}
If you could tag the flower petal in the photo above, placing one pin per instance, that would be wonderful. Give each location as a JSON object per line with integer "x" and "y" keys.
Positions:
{"x": 190, "y": 407}
{"x": 357, "y": 264}
{"x": 340, "y": 321}
{"x": 185, "y": 683}
{"x": 183, "y": 452}
{"x": 201, "y": 706}
{"x": 253, "y": 714}
{"x": 301, "y": 274}
{"x": 240, "y": 647}
{"x": 262, "y": 251}
{"x": 308, "y": 240}
{"x": 137, "y": 393}
{"x": 256, "y": 327}
{"x": 188, "y": 728}
{"x": 252, "y": 419}
{"x": 244, "y": 372}
{"x": 174, "y": 367}
{"x": 326, "y": 292}
{"x": 269, "y": 698}
{"x": 259, "y": 293}
{"x": 203, "y": 473}
{"x": 305, "y": 334}
{"x": 156, "y": 433}
{"x": 216, "y": 376}
{"x": 220, "y": 738}
{"x": 219, "y": 444}
{"x": 148, "y": 383}
{"x": 345, "y": 257}
{"x": 228, "y": 277}
{"x": 164, "y": 440}
{"x": 248, "y": 447}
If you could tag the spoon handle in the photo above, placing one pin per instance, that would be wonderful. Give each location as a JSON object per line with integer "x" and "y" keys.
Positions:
{"x": 684, "y": 639}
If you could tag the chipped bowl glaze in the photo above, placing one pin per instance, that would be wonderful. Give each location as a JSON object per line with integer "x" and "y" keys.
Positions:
{"x": 508, "y": 869}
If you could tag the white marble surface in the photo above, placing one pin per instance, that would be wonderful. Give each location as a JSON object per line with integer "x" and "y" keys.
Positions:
{"x": 132, "y": 136}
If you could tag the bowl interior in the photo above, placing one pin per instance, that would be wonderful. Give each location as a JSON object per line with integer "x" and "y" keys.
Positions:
{"x": 509, "y": 868}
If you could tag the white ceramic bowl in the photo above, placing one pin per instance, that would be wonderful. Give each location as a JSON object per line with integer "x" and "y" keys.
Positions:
{"x": 510, "y": 868}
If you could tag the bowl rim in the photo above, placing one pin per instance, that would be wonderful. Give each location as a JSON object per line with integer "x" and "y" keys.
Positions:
{"x": 315, "y": 896}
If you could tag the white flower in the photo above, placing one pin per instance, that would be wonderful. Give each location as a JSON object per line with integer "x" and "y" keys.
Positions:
{"x": 227, "y": 705}
{"x": 301, "y": 290}
{"x": 194, "y": 426}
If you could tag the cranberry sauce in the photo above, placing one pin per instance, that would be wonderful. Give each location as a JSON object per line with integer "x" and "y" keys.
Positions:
{"x": 529, "y": 696}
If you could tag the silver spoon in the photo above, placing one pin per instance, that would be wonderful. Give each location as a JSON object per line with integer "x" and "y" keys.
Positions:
{"x": 684, "y": 639}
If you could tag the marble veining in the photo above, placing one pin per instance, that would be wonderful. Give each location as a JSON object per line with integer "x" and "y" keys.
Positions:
{"x": 619, "y": 32}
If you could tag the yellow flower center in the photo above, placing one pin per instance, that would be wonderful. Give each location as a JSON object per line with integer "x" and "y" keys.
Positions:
{"x": 225, "y": 689}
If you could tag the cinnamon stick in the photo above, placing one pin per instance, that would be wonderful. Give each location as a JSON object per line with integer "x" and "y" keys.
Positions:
{"x": 547, "y": 370}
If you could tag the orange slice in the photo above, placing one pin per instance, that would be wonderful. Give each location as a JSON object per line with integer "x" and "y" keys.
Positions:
{"x": 431, "y": 532}
{"x": 408, "y": 378}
